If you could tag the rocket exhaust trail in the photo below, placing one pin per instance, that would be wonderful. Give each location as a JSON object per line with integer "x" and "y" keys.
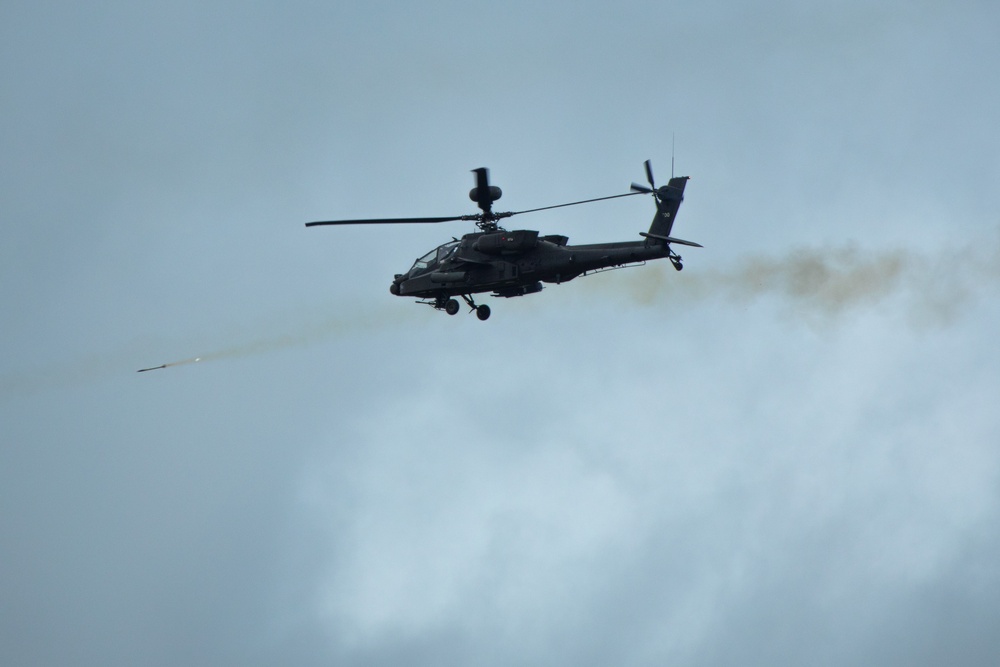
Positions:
{"x": 306, "y": 335}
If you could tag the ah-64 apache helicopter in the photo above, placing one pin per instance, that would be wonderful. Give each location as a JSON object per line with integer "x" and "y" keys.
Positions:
{"x": 515, "y": 263}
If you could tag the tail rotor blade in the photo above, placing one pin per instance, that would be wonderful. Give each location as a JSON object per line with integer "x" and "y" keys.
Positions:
{"x": 641, "y": 188}
{"x": 649, "y": 174}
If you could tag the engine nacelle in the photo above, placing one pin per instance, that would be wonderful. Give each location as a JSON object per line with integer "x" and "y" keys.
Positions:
{"x": 495, "y": 194}
{"x": 558, "y": 239}
{"x": 500, "y": 242}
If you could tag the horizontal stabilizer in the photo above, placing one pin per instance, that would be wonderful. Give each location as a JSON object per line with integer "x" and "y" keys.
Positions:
{"x": 671, "y": 239}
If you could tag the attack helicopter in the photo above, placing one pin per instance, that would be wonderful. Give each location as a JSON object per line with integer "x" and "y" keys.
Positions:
{"x": 515, "y": 263}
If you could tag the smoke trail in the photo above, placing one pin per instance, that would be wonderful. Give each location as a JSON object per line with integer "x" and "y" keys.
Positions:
{"x": 304, "y": 335}
{"x": 98, "y": 367}
{"x": 826, "y": 282}
{"x": 830, "y": 282}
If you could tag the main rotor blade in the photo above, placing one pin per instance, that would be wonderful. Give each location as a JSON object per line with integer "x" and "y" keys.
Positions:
{"x": 390, "y": 221}
{"x": 573, "y": 203}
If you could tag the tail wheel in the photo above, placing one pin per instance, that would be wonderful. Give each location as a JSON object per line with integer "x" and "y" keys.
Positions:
{"x": 451, "y": 307}
{"x": 483, "y": 312}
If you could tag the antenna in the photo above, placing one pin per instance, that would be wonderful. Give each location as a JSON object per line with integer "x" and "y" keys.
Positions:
{"x": 672, "y": 142}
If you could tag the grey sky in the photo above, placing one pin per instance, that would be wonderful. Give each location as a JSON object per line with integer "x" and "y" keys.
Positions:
{"x": 786, "y": 454}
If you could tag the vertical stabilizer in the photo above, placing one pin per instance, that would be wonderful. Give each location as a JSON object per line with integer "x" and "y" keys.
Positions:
{"x": 668, "y": 201}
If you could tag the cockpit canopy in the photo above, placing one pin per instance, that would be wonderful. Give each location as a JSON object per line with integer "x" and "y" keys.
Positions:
{"x": 434, "y": 258}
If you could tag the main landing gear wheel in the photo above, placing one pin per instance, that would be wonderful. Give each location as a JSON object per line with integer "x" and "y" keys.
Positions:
{"x": 451, "y": 307}
{"x": 482, "y": 310}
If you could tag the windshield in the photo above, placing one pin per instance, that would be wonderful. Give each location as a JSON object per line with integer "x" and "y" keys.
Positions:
{"x": 424, "y": 262}
{"x": 434, "y": 257}
{"x": 446, "y": 251}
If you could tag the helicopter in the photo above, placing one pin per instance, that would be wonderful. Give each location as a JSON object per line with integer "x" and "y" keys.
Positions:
{"x": 516, "y": 263}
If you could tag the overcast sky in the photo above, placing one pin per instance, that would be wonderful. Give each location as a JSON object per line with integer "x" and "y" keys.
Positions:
{"x": 787, "y": 454}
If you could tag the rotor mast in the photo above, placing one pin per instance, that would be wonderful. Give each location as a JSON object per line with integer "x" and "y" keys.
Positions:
{"x": 484, "y": 195}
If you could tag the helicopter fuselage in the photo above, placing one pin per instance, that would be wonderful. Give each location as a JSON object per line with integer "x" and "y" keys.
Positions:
{"x": 515, "y": 263}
